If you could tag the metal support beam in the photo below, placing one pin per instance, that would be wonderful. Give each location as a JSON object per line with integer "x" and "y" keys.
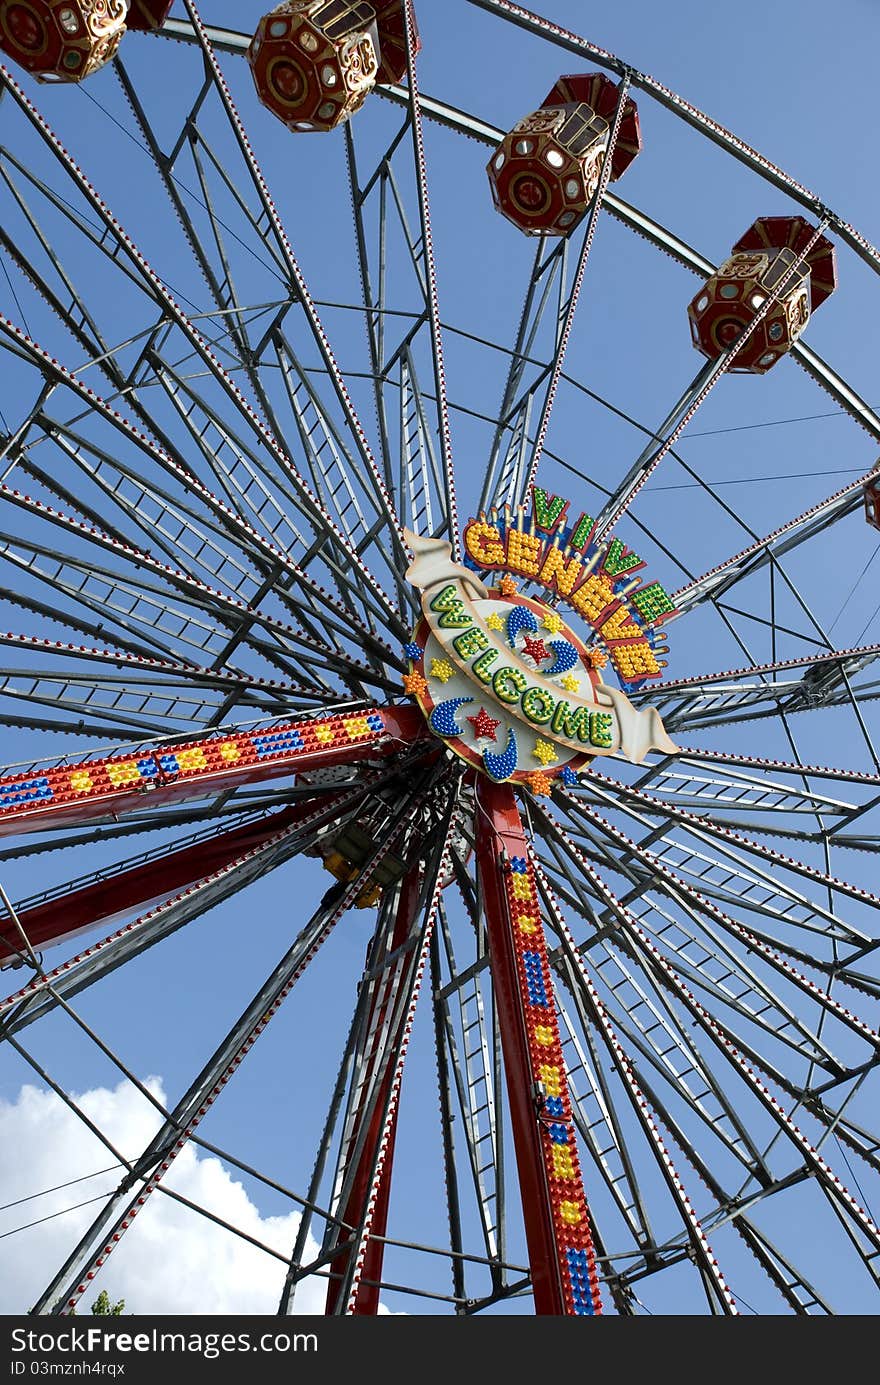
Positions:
{"x": 555, "y": 1212}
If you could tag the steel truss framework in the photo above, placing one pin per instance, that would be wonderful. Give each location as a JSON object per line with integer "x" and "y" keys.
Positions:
{"x": 203, "y": 552}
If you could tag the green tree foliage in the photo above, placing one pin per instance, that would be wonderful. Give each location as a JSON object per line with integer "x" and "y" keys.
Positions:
{"x": 103, "y": 1308}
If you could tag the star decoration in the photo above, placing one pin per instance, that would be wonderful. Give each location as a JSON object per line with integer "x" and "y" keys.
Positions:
{"x": 552, "y": 622}
{"x": 596, "y": 658}
{"x": 544, "y": 751}
{"x": 569, "y": 778}
{"x": 414, "y": 683}
{"x": 442, "y": 669}
{"x": 540, "y": 784}
{"x": 413, "y": 651}
{"x": 507, "y": 586}
{"x": 495, "y": 621}
{"x": 484, "y": 725}
{"x": 570, "y": 683}
{"x": 535, "y": 649}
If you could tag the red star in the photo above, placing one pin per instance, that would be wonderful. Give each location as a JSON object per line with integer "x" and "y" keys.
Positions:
{"x": 536, "y": 649}
{"x": 484, "y": 725}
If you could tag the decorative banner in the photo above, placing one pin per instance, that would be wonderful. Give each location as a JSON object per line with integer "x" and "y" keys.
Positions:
{"x": 597, "y": 580}
{"x": 507, "y": 684}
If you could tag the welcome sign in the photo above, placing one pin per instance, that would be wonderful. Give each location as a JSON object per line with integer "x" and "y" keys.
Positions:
{"x": 600, "y": 581}
{"x": 507, "y": 684}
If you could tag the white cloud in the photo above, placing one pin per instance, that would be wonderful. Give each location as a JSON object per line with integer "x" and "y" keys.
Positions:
{"x": 172, "y": 1260}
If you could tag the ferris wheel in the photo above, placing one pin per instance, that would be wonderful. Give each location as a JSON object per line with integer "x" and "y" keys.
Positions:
{"x": 343, "y": 599}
